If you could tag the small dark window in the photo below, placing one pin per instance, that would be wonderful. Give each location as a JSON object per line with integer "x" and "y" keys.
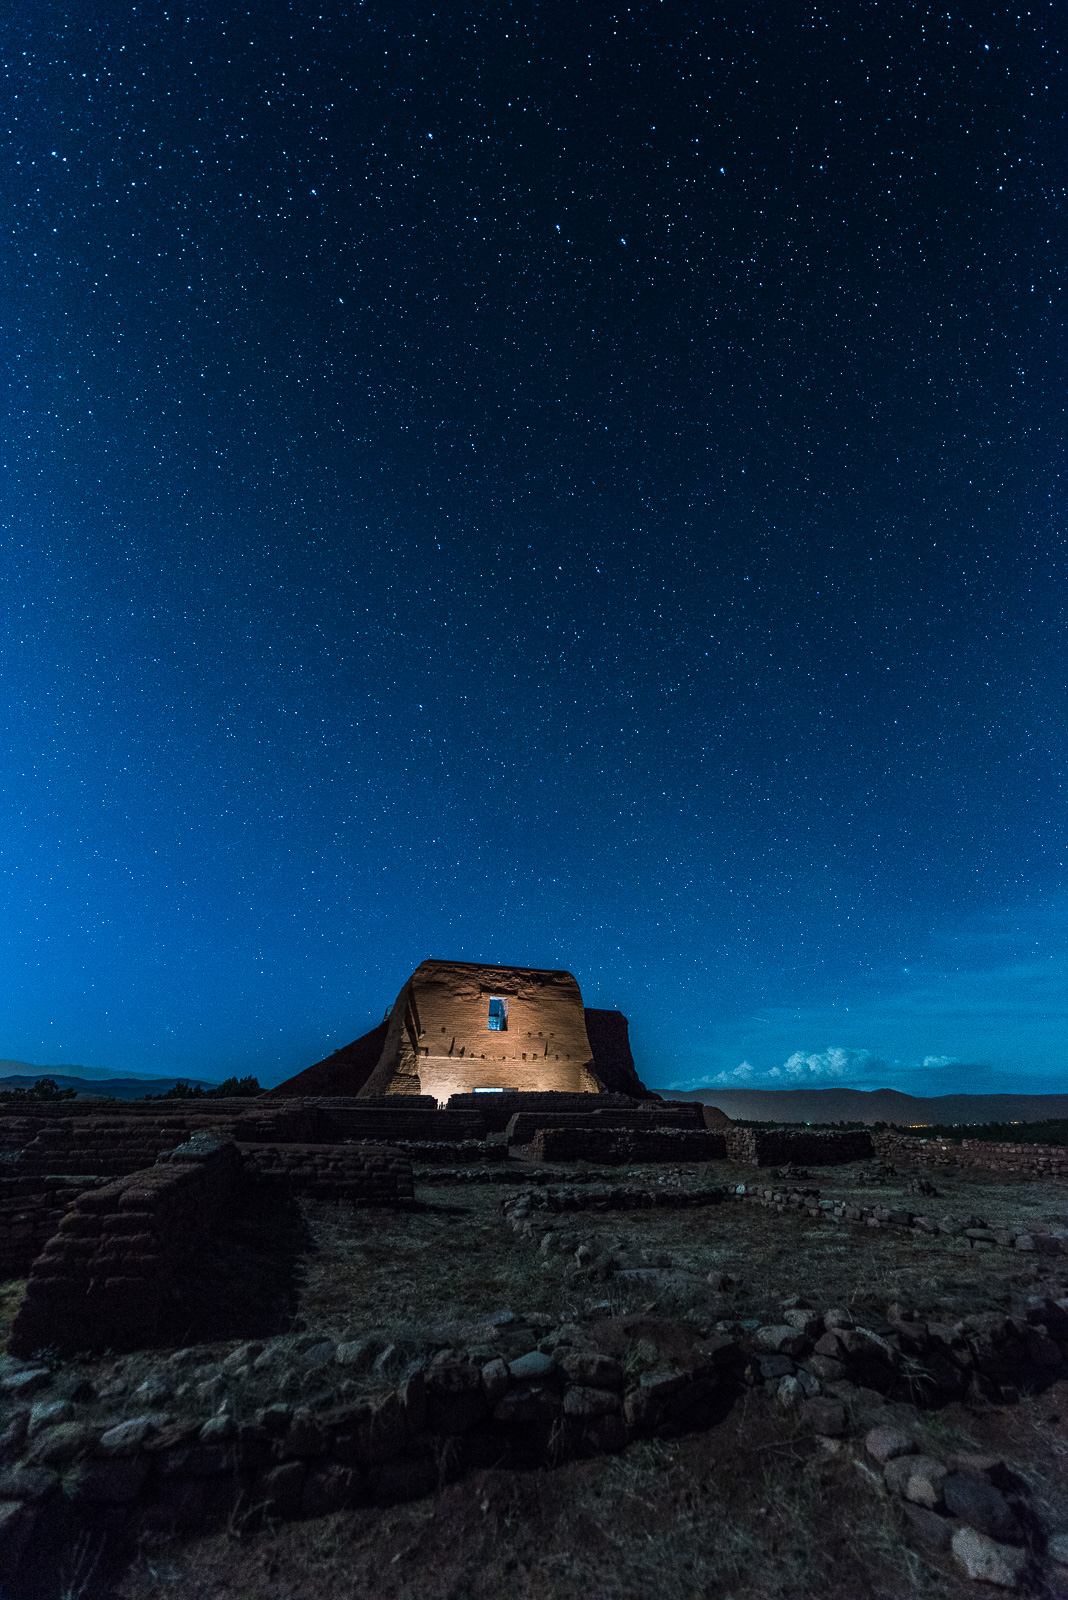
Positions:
{"x": 498, "y": 1015}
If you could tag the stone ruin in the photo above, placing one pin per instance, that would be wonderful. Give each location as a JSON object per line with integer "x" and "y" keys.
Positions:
{"x": 112, "y": 1212}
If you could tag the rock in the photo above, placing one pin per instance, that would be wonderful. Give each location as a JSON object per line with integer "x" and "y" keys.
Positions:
{"x": 807, "y": 1322}
{"x": 986, "y": 1561}
{"x": 154, "y": 1391}
{"x": 789, "y": 1393}
{"x": 217, "y": 1430}
{"x": 826, "y": 1369}
{"x": 590, "y": 1367}
{"x": 580, "y": 1401}
{"x": 56, "y": 1447}
{"x": 389, "y": 1358}
{"x": 982, "y": 1507}
{"x": 17, "y": 1385}
{"x": 494, "y": 1380}
{"x": 526, "y": 1405}
{"x": 243, "y": 1356}
{"x": 916, "y": 1478}
{"x": 358, "y": 1353}
{"x": 46, "y": 1413}
{"x": 929, "y": 1528}
{"x": 825, "y": 1416}
{"x": 27, "y": 1483}
{"x": 837, "y": 1318}
{"x": 536, "y": 1364}
{"x": 885, "y": 1444}
{"x": 781, "y": 1339}
{"x": 1057, "y": 1549}
{"x": 125, "y": 1437}
{"x": 773, "y": 1367}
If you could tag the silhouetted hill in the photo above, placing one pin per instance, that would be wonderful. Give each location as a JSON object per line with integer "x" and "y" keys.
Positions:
{"x": 875, "y": 1105}
{"x": 96, "y": 1088}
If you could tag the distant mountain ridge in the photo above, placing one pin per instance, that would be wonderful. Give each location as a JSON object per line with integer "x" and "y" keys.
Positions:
{"x": 875, "y": 1105}
{"x": 92, "y": 1082}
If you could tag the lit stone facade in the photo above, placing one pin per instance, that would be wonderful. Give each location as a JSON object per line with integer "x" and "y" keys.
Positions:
{"x": 458, "y": 1026}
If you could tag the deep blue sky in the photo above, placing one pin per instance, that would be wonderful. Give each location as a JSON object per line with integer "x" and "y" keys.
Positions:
{"x": 556, "y": 485}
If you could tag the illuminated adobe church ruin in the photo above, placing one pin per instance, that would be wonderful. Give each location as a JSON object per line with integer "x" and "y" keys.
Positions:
{"x": 458, "y": 1026}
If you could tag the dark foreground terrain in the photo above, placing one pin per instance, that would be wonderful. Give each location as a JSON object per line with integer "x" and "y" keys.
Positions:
{"x": 772, "y": 1485}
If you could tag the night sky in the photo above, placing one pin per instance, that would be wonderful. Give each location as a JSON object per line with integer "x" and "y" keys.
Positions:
{"x": 553, "y": 485}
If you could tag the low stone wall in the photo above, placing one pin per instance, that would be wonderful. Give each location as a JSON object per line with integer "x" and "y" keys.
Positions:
{"x": 973, "y": 1233}
{"x": 578, "y": 1391}
{"x": 1023, "y": 1160}
{"x": 817, "y": 1147}
{"x": 363, "y": 1174}
{"x": 620, "y": 1146}
{"x": 103, "y": 1278}
{"x": 30, "y": 1212}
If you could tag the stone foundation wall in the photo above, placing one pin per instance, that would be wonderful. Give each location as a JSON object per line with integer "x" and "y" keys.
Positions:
{"x": 1037, "y": 1160}
{"x": 817, "y": 1147}
{"x": 102, "y": 1280}
{"x": 616, "y": 1146}
{"x": 360, "y": 1173}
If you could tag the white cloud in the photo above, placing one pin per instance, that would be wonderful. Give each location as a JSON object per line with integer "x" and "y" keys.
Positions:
{"x": 940, "y": 1061}
{"x": 834, "y": 1063}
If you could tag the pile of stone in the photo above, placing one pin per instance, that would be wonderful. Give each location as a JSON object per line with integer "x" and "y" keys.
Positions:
{"x": 970, "y": 1505}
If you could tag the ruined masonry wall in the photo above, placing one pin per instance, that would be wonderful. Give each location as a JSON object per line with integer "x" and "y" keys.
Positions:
{"x": 102, "y": 1280}
{"x": 1041, "y": 1160}
{"x": 360, "y": 1173}
{"x": 30, "y": 1212}
{"x": 616, "y": 1146}
{"x": 766, "y": 1147}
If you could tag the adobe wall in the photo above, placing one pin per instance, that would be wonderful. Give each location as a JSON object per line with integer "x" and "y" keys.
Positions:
{"x": 104, "y": 1145}
{"x": 616, "y": 1146}
{"x": 497, "y": 1110}
{"x": 30, "y": 1210}
{"x": 439, "y": 1041}
{"x": 524, "y": 1124}
{"x": 1037, "y": 1160}
{"x": 817, "y": 1147}
{"x": 103, "y": 1279}
{"x": 109, "y": 1268}
{"x": 359, "y": 1173}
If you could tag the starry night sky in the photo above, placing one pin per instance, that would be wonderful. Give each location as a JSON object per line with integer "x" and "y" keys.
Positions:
{"x": 559, "y": 485}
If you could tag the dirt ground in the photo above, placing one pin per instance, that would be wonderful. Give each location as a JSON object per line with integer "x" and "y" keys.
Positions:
{"x": 452, "y": 1260}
